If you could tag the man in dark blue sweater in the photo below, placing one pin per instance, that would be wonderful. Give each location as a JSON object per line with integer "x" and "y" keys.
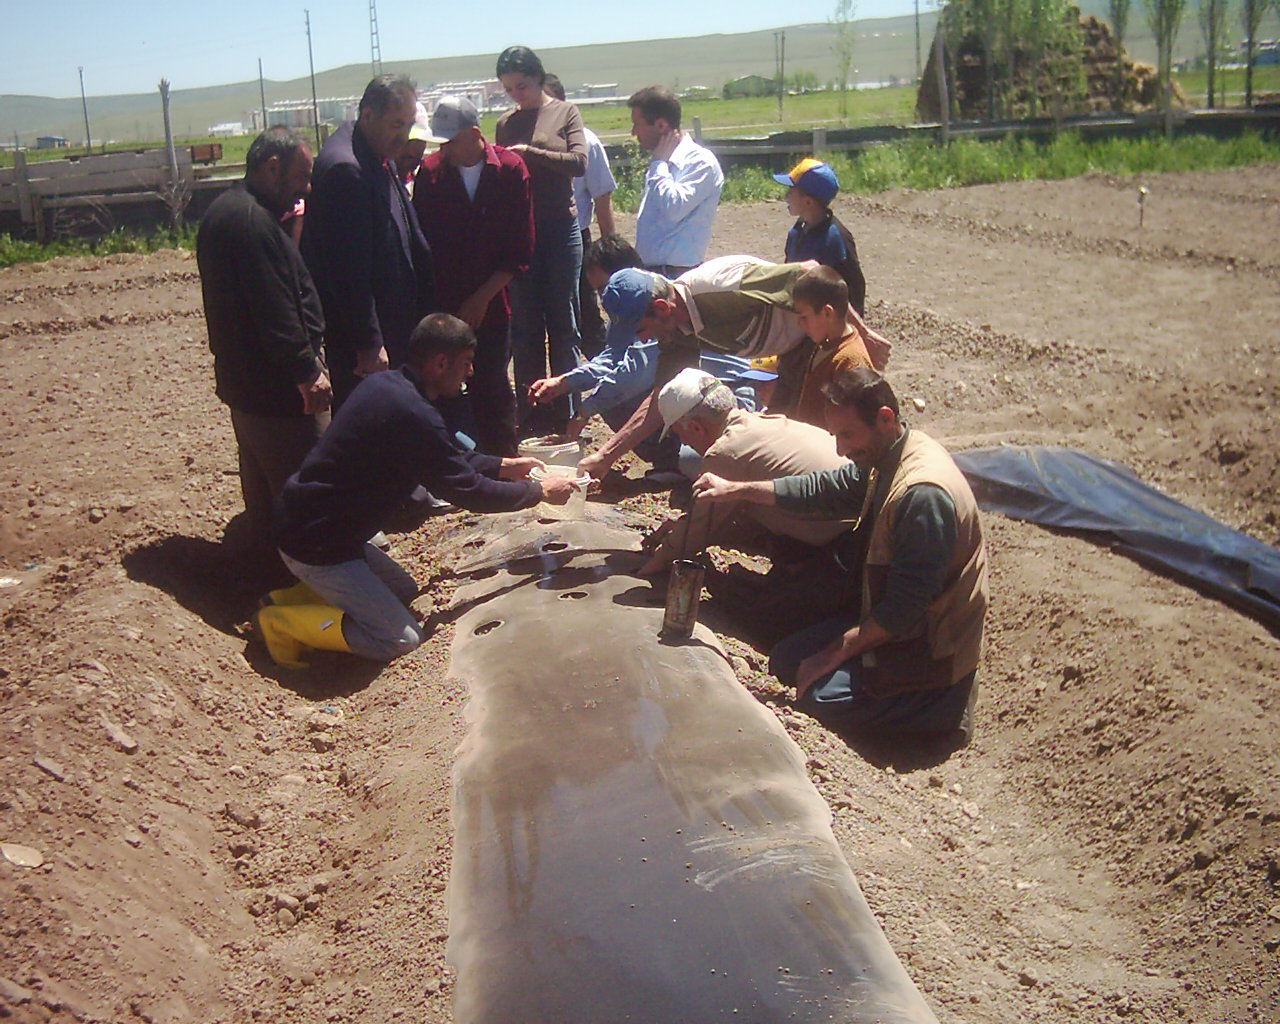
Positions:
{"x": 386, "y": 440}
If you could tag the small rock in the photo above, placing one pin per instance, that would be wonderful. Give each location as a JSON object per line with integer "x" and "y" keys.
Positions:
{"x": 242, "y": 815}
{"x": 325, "y": 718}
{"x": 433, "y": 987}
{"x": 13, "y": 993}
{"x": 307, "y": 978}
{"x": 971, "y": 809}
{"x": 936, "y": 782}
{"x": 1202, "y": 859}
{"x": 240, "y": 848}
{"x": 119, "y": 737}
{"x": 323, "y": 741}
{"x": 289, "y": 903}
{"x": 285, "y": 918}
{"x": 50, "y": 767}
{"x": 132, "y": 836}
{"x": 96, "y": 515}
{"x": 22, "y": 856}
{"x": 1028, "y": 978}
{"x": 918, "y": 403}
{"x": 739, "y": 664}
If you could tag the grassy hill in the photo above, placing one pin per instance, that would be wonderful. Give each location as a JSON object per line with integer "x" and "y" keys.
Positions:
{"x": 885, "y": 50}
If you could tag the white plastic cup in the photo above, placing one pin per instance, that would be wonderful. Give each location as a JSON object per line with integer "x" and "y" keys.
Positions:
{"x": 576, "y": 506}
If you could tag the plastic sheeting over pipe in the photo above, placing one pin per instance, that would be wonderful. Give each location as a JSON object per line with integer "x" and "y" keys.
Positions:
{"x": 637, "y": 838}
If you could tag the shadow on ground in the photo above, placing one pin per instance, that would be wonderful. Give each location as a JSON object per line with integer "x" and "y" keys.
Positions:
{"x": 208, "y": 580}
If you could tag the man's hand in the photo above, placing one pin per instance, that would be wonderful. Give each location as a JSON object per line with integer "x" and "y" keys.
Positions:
{"x": 519, "y": 469}
{"x": 667, "y": 145}
{"x": 473, "y": 309}
{"x": 370, "y": 361}
{"x": 595, "y": 464}
{"x": 818, "y": 665}
{"x": 556, "y": 489}
{"x": 710, "y": 487}
{"x": 547, "y": 389}
{"x": 316, "y": 396}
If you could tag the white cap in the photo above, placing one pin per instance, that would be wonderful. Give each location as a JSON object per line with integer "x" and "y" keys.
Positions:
{"x": 421, "y": 128}
{"x": 682, "y": 394}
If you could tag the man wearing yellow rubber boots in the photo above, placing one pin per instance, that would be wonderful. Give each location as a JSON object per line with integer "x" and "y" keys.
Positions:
{"x": 387, "y": 439}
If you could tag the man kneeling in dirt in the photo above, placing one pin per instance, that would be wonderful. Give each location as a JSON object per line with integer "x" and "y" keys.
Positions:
{"x": 907, "y": 660}
{"x": 806, "y": 584}
{"x": 386, "y": 440}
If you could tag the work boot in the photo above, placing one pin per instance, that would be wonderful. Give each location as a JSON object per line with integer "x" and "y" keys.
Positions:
{"x": 298, "y": 593}
{"x": 291, "y": 630}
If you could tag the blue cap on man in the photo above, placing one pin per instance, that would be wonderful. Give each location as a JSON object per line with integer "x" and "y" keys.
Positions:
{"x": 627, "y": 297}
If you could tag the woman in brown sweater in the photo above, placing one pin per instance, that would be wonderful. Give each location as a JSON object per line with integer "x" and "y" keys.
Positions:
{"x": 547, "y": 133}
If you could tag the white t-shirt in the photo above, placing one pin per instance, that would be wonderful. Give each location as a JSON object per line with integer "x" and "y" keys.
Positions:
{"x": 471, "y": 178}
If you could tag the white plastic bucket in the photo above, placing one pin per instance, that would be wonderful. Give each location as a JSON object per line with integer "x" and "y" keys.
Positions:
{"x": 553, "y": 449}
{"x": 576, "y": 506}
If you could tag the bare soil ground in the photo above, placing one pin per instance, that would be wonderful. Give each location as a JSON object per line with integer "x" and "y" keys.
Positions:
{"x": 225, "y": 842}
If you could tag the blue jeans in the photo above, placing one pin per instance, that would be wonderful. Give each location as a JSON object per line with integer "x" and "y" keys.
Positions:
{"x": 838, "y": 697}
{"x": 544, "y": 312}
{"x": 373, "y": 592}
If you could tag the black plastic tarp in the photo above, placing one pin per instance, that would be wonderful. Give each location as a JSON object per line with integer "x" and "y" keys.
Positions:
{"x": 1072, "y": 490}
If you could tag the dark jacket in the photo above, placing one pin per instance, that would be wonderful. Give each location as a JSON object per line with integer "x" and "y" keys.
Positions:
{"x": 263, "y": 314}
{"x": 363, "y": 246}
{"x": 493, "y": 231}
{"x": 385, "y": 440}
{"x": 831, "y": 244}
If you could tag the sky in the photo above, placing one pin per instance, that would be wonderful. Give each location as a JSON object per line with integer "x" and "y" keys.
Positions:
{"x": 128, "y": 46}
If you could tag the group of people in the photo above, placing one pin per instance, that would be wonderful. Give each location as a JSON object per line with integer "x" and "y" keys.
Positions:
{"x": 368, "y": 366}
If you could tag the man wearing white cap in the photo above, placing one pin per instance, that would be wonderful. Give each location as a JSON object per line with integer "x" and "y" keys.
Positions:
{"x": 738, "y": 445}
{"x": 473, "y": 202}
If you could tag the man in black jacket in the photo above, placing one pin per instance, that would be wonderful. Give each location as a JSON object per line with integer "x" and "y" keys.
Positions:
{"x": 386, "y": 440}
{"x": 362, "y": 242}
{"x": 265, "y": 326}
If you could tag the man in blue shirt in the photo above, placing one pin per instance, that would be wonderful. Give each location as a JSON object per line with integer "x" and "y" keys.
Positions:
{"x": 681, "y": 186}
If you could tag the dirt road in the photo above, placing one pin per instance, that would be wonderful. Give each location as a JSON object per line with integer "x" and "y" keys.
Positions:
{"x": 224, "y": 842}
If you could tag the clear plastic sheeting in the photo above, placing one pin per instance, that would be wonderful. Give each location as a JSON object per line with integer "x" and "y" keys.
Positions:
{"x": 637, "y": 838}
{"x": 1072, "y": 490}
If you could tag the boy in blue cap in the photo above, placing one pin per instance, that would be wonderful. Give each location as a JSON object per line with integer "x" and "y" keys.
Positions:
{"x": 817, "y": 233}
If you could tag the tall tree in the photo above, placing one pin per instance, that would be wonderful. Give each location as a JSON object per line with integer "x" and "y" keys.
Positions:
{"x": 1118, "y": 12}
{"x": 842, "y": 21}
{"x": 1165, "y": 17}
{"x": 1251, "y": 12}
{"x": 1213, "y": 26}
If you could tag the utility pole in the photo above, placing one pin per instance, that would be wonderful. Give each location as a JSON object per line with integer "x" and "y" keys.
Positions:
{"x": 780, "y": 58}
{"x": 88, "y": 139}
{"x": 917, "y": 41}
{"x": 262, "y": 95}
{"x": 375, "y": 47}
{"x": 315, "y": 103}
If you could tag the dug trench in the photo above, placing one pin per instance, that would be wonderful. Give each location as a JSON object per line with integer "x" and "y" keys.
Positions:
{"x": 223, "y": 841}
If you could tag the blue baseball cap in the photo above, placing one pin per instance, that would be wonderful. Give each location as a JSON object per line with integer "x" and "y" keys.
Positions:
{"x": 812, "y": 176}
{"x": 627, "y": 296}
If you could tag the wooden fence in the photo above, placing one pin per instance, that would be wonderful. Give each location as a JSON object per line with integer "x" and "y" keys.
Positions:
{"x": 54, "y": 197}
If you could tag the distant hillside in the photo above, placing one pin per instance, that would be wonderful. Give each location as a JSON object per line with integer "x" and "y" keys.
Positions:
{"x": 885, "y": 48}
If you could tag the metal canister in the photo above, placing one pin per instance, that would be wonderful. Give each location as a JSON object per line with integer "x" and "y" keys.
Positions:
{"x": 684, "y": 591}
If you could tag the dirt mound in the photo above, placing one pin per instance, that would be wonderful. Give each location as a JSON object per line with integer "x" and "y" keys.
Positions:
{"x": 222, "y": 841}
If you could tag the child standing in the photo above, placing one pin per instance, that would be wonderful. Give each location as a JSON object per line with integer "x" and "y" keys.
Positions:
{"x": 817, "y": 233}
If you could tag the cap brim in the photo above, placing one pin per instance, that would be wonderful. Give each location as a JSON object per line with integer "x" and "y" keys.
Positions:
{"x": 760, "y": 375}
{"x": 783, "y": 179}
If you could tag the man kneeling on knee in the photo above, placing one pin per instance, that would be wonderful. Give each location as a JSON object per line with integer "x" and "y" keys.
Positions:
{"x": 907, "y": 660}
{"x": 386, "y": 440}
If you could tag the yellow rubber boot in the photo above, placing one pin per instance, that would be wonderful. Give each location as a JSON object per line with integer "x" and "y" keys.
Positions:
{"x": 291, "y": 630}
{"x": 298, "y": 593}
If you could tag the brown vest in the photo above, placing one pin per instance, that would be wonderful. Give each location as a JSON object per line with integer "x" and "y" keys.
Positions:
{"x": 945, "y": 645}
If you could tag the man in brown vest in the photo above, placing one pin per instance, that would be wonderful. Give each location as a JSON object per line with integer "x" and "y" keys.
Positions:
{"x": 906, "y": 660}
